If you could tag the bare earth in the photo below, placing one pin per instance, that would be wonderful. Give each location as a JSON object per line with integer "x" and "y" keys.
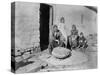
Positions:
{"x": 80, "y": 59}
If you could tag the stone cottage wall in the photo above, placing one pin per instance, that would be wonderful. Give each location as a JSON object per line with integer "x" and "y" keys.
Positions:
{"x": 25, "y": 30}
{"x": 26, "y": 24}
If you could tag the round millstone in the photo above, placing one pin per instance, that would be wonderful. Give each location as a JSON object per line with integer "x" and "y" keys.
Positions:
{"x": 60, "y": 52}
{"x": 76, "y": 57}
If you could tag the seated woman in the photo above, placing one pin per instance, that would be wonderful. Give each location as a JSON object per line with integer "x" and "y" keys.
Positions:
{"x": 82, "y": 41}
{"x": 74, "y": 30}
{"x": 56, "y": 39}
{"x": 72, "y": 40}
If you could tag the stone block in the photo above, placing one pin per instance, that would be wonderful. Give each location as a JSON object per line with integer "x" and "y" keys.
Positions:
{"x": 17, "y": 53}
{"x": 36, "y": 44}
{"x": 18, "y": 59}
{"x": 26, "y": 55}
{"x": 35, "y": 39}
{"x": 36, "y": 32}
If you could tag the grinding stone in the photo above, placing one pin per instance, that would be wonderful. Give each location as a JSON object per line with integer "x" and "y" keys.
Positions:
{"x": 60, "y": 52}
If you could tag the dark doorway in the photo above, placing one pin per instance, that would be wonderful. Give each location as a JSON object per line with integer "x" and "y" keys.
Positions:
{"x": 44, "y": 26}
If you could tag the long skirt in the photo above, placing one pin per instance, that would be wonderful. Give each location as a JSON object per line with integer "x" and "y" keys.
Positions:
{"x": 54, "y": 44}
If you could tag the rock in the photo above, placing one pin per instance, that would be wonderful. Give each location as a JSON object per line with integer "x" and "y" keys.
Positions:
{"x": 60, "y": 52}
{"x": 26, "y": 55}
{"x": 18, "y": 59}
{"x": 17, "y": 53}
{"x": 34, "y": 67}
{"x": 44, "y": 64}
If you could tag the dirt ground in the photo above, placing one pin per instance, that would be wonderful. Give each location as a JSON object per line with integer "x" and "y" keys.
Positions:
{"x": 42, "y": 66}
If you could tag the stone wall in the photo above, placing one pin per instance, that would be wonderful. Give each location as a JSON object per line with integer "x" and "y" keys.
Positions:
{"x": 25, "y": 31}
{"x": 26, "y": 24}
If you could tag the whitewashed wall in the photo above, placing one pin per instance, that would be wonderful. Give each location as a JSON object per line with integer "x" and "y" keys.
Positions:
{"x": 26, "y": 24}
{"x": 72, "y": 15}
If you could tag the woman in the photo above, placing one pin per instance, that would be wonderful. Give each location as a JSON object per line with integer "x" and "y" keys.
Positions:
{"x": 74, "y": 30}
{"x": 56, "y": 40}
{"x": 72, "y": 42}
{"x": 62, "y": 27}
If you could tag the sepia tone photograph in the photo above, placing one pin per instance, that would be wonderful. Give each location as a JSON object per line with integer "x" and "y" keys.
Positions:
{"x": 53, "y": 37}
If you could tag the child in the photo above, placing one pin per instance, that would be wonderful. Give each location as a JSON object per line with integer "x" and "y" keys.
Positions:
{"x": 82, "y": 41}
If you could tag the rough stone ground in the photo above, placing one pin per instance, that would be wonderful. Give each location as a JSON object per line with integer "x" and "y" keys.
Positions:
{"x": 41, "y": 65}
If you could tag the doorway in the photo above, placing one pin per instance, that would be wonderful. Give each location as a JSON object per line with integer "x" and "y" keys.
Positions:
{"x": 44, "y": 25}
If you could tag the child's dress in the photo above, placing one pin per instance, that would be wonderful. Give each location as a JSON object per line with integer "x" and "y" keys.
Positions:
{"x": 82, "y": 42}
